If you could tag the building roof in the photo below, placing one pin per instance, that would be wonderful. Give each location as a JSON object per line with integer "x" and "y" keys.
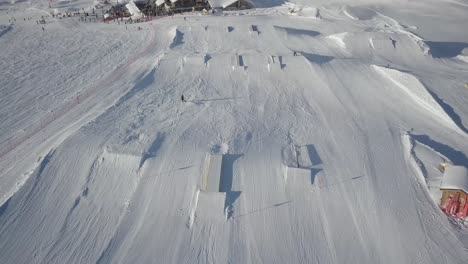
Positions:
{"x": 134, "y": 10}
{"x": 159, "y": 2}
{"x": 221, "y": 3}
{"x": 455, "y": 177}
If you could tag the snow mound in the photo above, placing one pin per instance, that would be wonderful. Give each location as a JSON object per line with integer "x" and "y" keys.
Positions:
{"x": 196, "y": 60}
{"x": 177, "y": 37}
{"x": 425, "y": 162}
{"x": 390, "y": 25}
{"x": 416, "y": 91}
{"x": 300, "y": 176}
{"x": 301, "y": 11}
{"x": 308, "y": 12}
{"x": 339, "y": 39}
{"x": 464, "y": 52}
{"x": 462, "y": 58}
{"x": 371, "y": 43}
{"x": 288, "y": 33}
{"x": 210, "y": 206}
{"x": 359, "y": 13}
{"x": 349, "y": 15}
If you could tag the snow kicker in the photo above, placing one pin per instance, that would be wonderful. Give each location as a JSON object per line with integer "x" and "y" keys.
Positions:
{"x": 301, "y": 162}
{"x": 416, "y": 91}
{"x": 177, "y": 39}
{"x": 215, "y": 190}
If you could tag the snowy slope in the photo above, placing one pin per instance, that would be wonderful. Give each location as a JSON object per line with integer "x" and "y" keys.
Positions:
{"x": 323, "y": 157}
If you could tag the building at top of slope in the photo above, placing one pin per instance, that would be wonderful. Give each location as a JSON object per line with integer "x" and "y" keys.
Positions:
{"x": 454, "y": 189}
{"x": 137, "y": 9}
{"x": 167, "y": 7}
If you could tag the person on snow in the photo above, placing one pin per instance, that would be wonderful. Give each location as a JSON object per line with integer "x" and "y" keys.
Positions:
{"x": 295, "y": 53}
{"x": 183, "y": 99}
{"x": 318, "y": 15}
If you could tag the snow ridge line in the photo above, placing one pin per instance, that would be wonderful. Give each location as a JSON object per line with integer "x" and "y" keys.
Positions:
{"x": 193, "y": 209}
{"x": 416, "y": 91}
{"x": 400, "y": 29}
{"x": 83, "y": 193}
{"x": 346, "y": 13}
{"x": 178, "y": 38}
{"x": 408, "y": 145}
{"x": 152, "y": 149}
{"x": 447, "y": 152}
{"x": 38, "y": 171}
{"x": 105, "y": 255}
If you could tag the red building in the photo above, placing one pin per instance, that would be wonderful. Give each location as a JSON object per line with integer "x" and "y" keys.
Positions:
{"x": 454, "y": 189}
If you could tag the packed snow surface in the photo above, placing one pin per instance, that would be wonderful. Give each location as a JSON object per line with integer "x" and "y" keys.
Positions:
{"x": 312, "y": 133}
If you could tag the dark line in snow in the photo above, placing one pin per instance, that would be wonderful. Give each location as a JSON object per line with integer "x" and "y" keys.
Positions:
{"x": 456, "y": 156}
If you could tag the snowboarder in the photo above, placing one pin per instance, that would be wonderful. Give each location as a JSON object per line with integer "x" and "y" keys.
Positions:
{"x": 183, "y": 99}
{"x": 295, "y": 53}
{"x": 43, "y": 29}
{"x": 318, "y": 15}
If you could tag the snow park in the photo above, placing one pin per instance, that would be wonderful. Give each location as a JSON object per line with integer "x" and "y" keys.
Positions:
{"x": 234, "y": 131}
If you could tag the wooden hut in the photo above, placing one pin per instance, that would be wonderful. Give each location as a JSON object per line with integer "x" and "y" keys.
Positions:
{"x": 454, "y": 189}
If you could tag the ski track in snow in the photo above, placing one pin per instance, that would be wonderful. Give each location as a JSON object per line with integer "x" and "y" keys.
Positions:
{"x": 324, "y": 136}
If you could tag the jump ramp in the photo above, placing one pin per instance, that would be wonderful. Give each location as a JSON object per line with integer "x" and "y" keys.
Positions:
{"x": 298, "y": 64}
{"x": 301, "y": 163}
{"x": 214, "y": 199}
{"x": 301, "y": 182}
{"x": 307, "y": 156}
{"x": 300, "y": 176}
{"x": 275, "y": 62}
{"x": 238, "y": 62}
{"x": 195, "y": 60}
{"x": 212, "y": 176}
{"x": 253, "y": 29}
{"x": 257, "y": 63}
{"x": 211, "y": 205}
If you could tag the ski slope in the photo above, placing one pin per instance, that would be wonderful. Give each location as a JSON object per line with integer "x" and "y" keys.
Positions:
{"x": 329, "y": 156}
